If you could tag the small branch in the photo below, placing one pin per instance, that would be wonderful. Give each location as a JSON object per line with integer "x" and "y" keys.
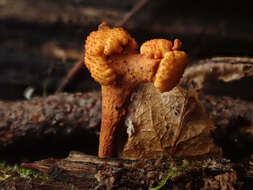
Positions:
{"x": 70, "y": 76}
{"x": 57, "y": 115}
{"x": 139, "y": 6}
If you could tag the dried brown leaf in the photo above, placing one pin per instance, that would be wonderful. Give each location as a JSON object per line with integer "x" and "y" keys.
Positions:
{"x": 170, "y": 123}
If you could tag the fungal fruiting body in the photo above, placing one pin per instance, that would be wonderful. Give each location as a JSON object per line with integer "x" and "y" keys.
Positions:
{"x": 112, "y": 57}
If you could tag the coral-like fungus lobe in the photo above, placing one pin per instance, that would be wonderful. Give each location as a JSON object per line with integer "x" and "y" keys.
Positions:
{"x": 112, "y": 58}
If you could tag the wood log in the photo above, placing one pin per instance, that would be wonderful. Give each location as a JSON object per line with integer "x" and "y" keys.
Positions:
{"x": 233, "y": 118}
{"x": 80, "y": 171}
{"x": 56, "y": 116}
{"x": 222, "y": 76}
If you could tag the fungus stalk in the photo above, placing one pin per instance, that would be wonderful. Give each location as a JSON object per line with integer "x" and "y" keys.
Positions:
{"x": 112, "y": 58}
{"x": 115, "y": 96}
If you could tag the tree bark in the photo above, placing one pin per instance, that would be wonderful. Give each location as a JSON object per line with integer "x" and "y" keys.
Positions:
{"x": 60, "y": 115}
{"x": 222, "y": 76}
{"x": 80, "y": 171}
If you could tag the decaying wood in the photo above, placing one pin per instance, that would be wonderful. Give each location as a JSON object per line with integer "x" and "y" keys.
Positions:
{"x": 222, "y": 76}
{"x": 57, "y": 115}
{"x": 219, "y": 68}
{"x": 80, "y": 171}
{"x": 225, "y": 111}
{"x": 234, "y": 123}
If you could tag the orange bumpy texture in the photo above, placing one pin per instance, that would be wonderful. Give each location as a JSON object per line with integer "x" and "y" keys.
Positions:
{"x": 106, "y": 41}
{"x": 101, "y": 44}
{"x": 172, "y": 65}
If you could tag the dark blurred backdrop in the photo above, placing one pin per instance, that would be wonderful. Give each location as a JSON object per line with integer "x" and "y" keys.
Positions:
{"x": 41, "y": 40}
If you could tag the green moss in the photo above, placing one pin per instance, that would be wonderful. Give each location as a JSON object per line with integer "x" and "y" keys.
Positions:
{"x": 7, "y": 171}
{"x": 28, "y": 173}
{"x": 173, "y": 172}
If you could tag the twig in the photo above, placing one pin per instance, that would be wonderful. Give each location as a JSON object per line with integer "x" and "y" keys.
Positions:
{"x": 70, "y": 76}
{"x": 140, "y": 5}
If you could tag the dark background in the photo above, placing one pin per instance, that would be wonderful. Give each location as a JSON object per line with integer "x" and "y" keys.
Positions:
{"x": 41, "y": 40}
